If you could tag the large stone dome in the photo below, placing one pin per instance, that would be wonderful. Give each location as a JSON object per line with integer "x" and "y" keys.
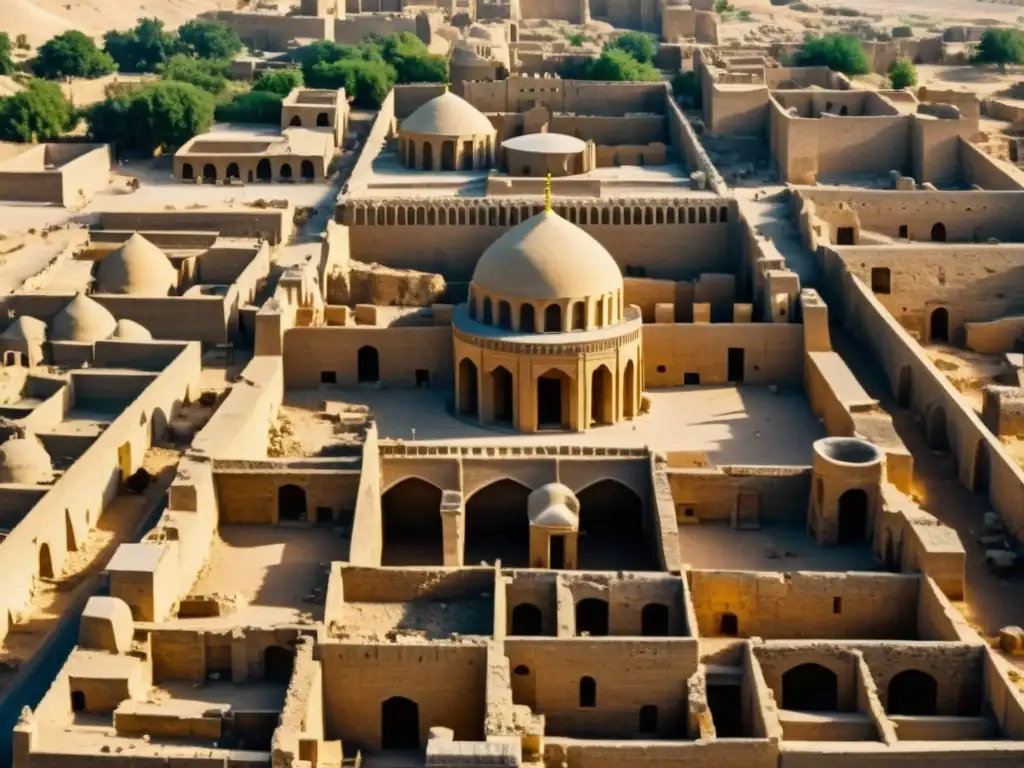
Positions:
{"x": 447, "y": 115}
{"x": 129, "y": 330}
{"x": 137, "y": 268}
{"x": 547, "y": 257}
{"x": 24, "y": 460}
{"x": 83, "y": 319}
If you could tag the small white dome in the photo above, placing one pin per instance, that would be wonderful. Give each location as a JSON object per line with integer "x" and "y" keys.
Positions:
{"x": 129, "y": 330}
{"x": 137, "y": 268}
{"x": 553, "y": 506}
{"x": 83, "y": 319}
{"x": 447, "y": 115}
{"x": 24, "y": 460}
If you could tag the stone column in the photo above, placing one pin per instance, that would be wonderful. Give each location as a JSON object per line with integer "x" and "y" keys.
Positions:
{"x": 453, "y": 521}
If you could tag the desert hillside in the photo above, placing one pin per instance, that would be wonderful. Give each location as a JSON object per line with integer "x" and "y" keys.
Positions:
{"x": 41, "y": 19}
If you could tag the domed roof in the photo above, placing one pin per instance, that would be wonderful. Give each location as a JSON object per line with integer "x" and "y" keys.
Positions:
{"x": 83, "y": 319}
{"x": 137, "y": 268}
{"x": 30, "y": 330}
{"x": 547, "y": 257}
{"x": 553, "y": 506}
{"x": 545, "y": 143}
{"x": 24, "y": 460}
{"x": 447, "y": 115}
{"x": 129, "y": 330}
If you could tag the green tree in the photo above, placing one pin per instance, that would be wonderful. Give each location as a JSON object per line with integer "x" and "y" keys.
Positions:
{"x": 252, "y": 107}
{"x": 1001, "y": 47}
{"x": 612, "y": 65}
{"x": 367, "y": 82}
{"x": 208, "y": 74}
{"x": 638, "y": 45}
{"x": 723, "y": 7}
{"x": 410, "y": 58}
{"x": 280, "y": 81}
{"x": 576, "y": 39}
{"x": 38, "y": 113}
{"x": 210, "y": 40}
{"x": 686, "y": 87}
{"x": 841, "y": 53}
{"x": 6, "y": 62}
{"x": 162, "y": 115}
{"x": 143, "y": 48}
{"x": 72, "y": 54}
{"x": 902, "y": 74}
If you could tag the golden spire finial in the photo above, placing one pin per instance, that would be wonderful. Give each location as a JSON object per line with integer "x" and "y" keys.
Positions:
{"x": 547, "y": 193}
{"x": 446, "y": 86}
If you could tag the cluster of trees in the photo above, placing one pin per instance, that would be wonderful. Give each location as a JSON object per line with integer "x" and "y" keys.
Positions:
{"x": 148, "y": 47}
{"x": 38, "y": 113}
{"x": 6, "y": 49}
{"x": 629, "y": 57}
{"x": 1000, "y": 47}
{"x": 369, "y": 70}
{"x": 842, "y": 53}
{"x": 159, "y": 116}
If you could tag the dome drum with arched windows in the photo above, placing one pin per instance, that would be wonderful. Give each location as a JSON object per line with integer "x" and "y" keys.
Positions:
{"x": 547, "y": 154}
{"x": 446, "y": 134}
{"x": 544, "y": 341}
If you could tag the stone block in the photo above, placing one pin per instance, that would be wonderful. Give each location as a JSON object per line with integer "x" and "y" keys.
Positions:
{"x": 701, "y": 312}
{"x": 664, "y": 313}
{"x": 106, "y": 625}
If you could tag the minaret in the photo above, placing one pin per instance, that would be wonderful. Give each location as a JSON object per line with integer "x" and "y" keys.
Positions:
{"x": 547, "y": 194}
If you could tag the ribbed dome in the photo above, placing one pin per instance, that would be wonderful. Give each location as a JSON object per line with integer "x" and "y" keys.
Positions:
{"x": 547, "y": 257}
{"x": 83, "y": 319}
{"x": 137, "y": 268}
{"x": 24, "y": 460}
{"x": 129, "y": 330}
{"x": 447, "y": 115}
{"x": 30, "y": 330}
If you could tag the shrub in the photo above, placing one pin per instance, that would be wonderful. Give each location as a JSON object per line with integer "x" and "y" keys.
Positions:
{"x": 612, "y": 65}
{"x": 71, "y": 54}
{"x": 281, "y": 81}
{"x": 1001, "y": 47}
{"x": 208, "y": 74}
{"x": 576, "y": 39}
{"x": 6, "y": 62}
{"x": 210, "y": 40}
{"x": 744, "y": 15}
{"x": 367, "y": 82}
{"x": 723, "y": 6}
{"x": 686, "y": 87}
{"x": 252, "y": 107}
{"x": 841, "y": 53}
{"x": 38, "y": 113}
{"x": 143, "y": 48}
{"x": 638, "y": 45}
{"x": 162, "y": 115}
{"x": 902, "y": 74}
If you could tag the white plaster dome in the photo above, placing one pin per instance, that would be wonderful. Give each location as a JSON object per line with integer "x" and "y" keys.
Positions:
{"x": 24, "y": 460}
{"x": 83, "y": 319}
{"x": 129, "y": 330}
{"x": 553, "y": 506}
{"x": 547, "y": 257}
{"x": 447, "y": 115}
{"x": 137, "y": 268}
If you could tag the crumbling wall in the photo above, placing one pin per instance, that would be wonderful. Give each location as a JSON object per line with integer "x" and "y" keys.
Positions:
{"x": 359, "y": 283}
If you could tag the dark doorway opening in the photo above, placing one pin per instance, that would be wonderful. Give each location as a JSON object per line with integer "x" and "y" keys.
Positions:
{"x": 939, "y": 330}
{"x": 729, "y": 625}
{"x": 881, "y": 280}
{"x": 412, "y": 527}
{"x": 323, "y": 121}
{"x": 982, "y": 468}
{"x": 78, "y": 701}
{"x": 553, "y": 319}
{"x": 904, "y": 231}
{"x": 552, "y": 391}
{"x": 654, "y": 620}
{"x": 210, "y": 173}
{"x": 263, "y": 172}
{"x": 939, "y": 233}
{"x": 527, "y": 319}
{"x": 422, "y": 378}
{"x": 467, "y": 155}
{"x": 592, "y": 617}
{"x": 233, "y": 172}
{"x": 527, "y": 620}
{"x": 913, "y": 692}
{"x": 557, "y": 552}
{"x": 648, "y": 719}
{"x": 726, "y": 705}
{"x": 186, "y": 172}
{"x": 367, "y": 365}
{"x": 306, "y": 170}
{"x": 844, "y": 236}
{"x": 810, "y": 688}
{"x": 469, "y": 398}
{"x": 588, "y": 692}
{"x": 602, "y": 400}
{"x": 691, "y": 379}
{"x": 611, "y": 529}
{"x": 428, "y": 156}
{"x": 736, "y": 365}
{"x": 501, "y": 391}
{"x": 278, "y": 664}
{"x": 286, "y": 171}
{"x": 853, "y": 517}
{"x": 448, "y": 156}
{"x": 291, "y": 503}
{"x": 328, "y": 377}
{"x": 399, "y": 723}
{"x": 497, "y": 526}
{"x": 296, "y": 121}
{"x": 324, "y": 515}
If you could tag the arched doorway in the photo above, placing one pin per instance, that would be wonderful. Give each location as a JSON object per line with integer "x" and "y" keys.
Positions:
{"x": 291, "y": 503}
{"x": 648, "y": 719}
{"x": 912, "y": 692}
{"x": 45, "y": 562}
{"x": 278, "y": 664}
{"x": 411, "y": 520}
{"x": 296, "y": 121}
{"x": 428, "y": 156}
{"x": 187, "y": 173}
{"x": 611, "y": 527}
{"x": 448, "y": 156}
{"x": 592, "y": 617}
{"x": 527, "y": 319}
{"x": 629, "y": 391}
{"x": 263, "y": 172}
{"x": 588, "y": 692}
{"x": 939, "y": 325}
{"x": 399, "y": 724}
{"x": 210, "y": 172}
{"x": 286, "y": 171}
{"x": 411, "y": 162}
{"x": 903, "y": 387}
{"x": 602, "y": 396}
{"x": 553, "y": 400}
{"x": 502, "y": 388}
{"x": 233, "y": 172}
{"x": 553, "y": 319}
{"x": 938, "y": 438}
{"x": 982, "y": 468}
{"x": 810, "y": 688}
{"x": 654, "y": 620}
{"x": 367, "y": 365}
{"x": 469, "y": 394}
{"x": 487, "y": 317}
{"x": 467, "y": 155}
{"x": 497, "y": 526}
{"x": 527, "y": 620}
{"x": 78, "y": 701}
{"x": 323, "y": 121}
{"x": 505, "y": 315}
{"x": 939, "y": 233}
{"x": 579, "y": 316}
{"x": 853, "y": 517}
{"x": 729, "y": 625}
{"x": 307, "y": 170}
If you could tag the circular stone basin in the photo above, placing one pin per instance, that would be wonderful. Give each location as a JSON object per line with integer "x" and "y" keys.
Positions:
{"x": 848, "y": 450}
